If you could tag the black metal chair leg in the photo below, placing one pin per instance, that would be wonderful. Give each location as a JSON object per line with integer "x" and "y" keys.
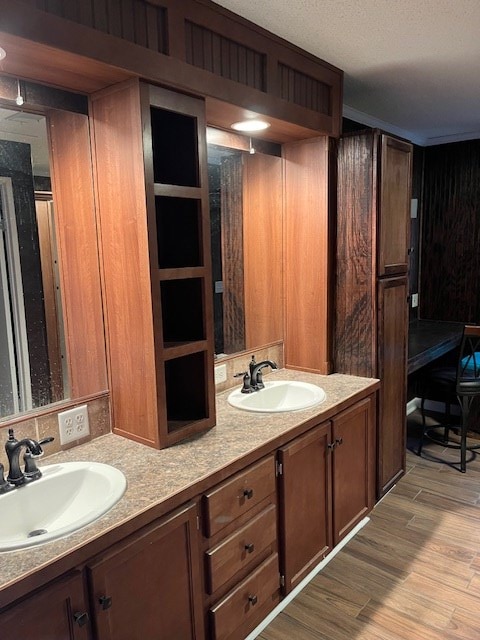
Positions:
{"x": 447, "y": 425}
{"x": 424, "y": 428}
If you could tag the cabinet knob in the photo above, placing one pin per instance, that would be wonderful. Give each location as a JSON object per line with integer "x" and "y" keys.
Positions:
{"x": 339, "y": 441}
{"x": 248, "y": 493}
{"x": 253, "y": 599}
{"x": 81, "y": 618}
{"x": 249, "y": 547}
{"x": 105, "y": 601}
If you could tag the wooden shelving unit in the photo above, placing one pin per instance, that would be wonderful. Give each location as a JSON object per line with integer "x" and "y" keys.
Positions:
{"x": 166, "y": 247}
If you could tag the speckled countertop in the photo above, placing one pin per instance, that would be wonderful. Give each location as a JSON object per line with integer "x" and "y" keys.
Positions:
{"x": 161, "y": 480}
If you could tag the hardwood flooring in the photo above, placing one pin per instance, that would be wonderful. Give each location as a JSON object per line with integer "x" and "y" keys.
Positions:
{"x": 412, "y": 573}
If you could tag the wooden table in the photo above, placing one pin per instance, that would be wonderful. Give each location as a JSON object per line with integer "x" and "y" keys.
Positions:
{"x": 430, "y": 339}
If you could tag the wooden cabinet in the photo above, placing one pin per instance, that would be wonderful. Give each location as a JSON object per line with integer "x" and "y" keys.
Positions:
{"x": 373, "y": 214}
{"x": 326, "y": 486}
{"x": 353, "y": 434}
{"x": 242, "y": 578}
{"x": 152, "y": 191}
{"x": 392, "y": 370}
{"x": 56, "y": 612}
{"x": 305, "y": 503}
{"x": 149, "y": 585}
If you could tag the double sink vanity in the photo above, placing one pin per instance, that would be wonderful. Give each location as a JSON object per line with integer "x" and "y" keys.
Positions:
{"x": 207, "y": 536}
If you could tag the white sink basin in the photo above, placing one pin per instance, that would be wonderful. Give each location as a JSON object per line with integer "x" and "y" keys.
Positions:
{"x": 279, "y": 395}
{"x": 67, "y": 497}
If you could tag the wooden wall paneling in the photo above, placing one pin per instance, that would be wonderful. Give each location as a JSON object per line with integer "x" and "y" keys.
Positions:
{"x": 306, "y": 255}
{"x": 392, "y": 367}
{"x": 355, "y": 300}
{"x": 119, "y": 160}
{"x": 73, "y": 195}
{"x": 450, "y": 256}
{"x": 231, "y": 175}
{"x": 263, "y": 249}
{"x": 90, "y": 57}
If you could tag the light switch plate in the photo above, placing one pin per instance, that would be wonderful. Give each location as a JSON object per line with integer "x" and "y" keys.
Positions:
{"x": 414, "y": 300}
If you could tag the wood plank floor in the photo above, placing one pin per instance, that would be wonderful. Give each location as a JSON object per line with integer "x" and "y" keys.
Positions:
{"x": 412, "y": 573}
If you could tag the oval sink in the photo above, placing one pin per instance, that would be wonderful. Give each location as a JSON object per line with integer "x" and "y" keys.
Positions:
{"x": 279, "y": 395}
{"x": 67, "y": 497}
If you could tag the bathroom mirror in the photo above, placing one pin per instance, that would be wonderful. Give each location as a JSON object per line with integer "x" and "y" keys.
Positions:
{"x": 33, "y": 370}
{"x": 245, "y": 190}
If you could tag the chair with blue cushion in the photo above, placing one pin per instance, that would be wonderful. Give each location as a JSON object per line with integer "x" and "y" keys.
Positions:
{"x": 455, "y": 384}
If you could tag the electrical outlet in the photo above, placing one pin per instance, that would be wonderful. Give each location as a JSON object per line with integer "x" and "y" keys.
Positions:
{"x": 220, "y": 373}
{"x": 73, "y": 424}
{"x": 414, "y": 300}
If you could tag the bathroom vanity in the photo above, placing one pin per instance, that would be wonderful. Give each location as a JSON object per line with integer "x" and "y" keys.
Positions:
{"x": 211, "y": 533}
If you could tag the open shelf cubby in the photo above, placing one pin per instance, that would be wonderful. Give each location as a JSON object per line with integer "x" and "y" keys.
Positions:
{"x": 179, "y": 236}
{"x": 182, "y": 310}
{"x": 175, "y": 150}
{"x": 185, "y": 387}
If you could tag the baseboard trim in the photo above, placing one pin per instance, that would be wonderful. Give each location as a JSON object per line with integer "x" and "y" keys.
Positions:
{"x": 413, "y": 405}
{"x": 281, "y": 606}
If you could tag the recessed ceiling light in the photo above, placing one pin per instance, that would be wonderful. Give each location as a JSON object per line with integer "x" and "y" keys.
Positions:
{"x": 250, "y": 125}
{"x": 3, "y": 53}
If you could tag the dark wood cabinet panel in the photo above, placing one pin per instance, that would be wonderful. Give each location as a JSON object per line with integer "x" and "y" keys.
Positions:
{"x": 353, "y": 467}
{"x": 371, "y": 315}
{"x": 394, "y": 211}
{"x": 392, "y": 368}
{"x": 305, "y": 503}
{"x": 149, "y": 585}
{"x": 56, "y": 612}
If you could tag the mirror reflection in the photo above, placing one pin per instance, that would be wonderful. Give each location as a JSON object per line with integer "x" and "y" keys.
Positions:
{"x": 245, "y": 191}
{"x": 32, "y": 350}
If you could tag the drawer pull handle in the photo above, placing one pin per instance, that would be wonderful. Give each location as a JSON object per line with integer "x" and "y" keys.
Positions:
{"x": 249, "y": 547}
{"x": 81, "y": 618}
{"x": 105, "y": 601}
{"x": 253, "y": 599}
{"x": 248, "y": 493}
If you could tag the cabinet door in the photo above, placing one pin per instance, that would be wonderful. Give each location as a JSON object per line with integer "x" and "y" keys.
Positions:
{"x": 392, "y": 371}
{"x": 305, "y": 503}
{"x": 394, "y": 206}
{"x": 57, "y": 612}
{"x": 353, "y": 466}
{"x": 149, "y": 586}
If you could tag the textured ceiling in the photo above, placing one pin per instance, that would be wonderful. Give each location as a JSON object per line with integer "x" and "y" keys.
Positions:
{"x": 411, "y": 66}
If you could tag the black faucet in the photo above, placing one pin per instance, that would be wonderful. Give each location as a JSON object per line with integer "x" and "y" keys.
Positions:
{"x": 256, "y": 381}
{"x": 33, "y": 449}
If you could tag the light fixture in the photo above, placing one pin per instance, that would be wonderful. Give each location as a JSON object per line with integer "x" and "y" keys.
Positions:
{"x": 3, "y": 53}
{"x": 250, "y": 125}
{"x": 19, "y": 99}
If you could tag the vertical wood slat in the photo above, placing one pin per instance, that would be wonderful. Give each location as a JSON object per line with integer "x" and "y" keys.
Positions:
{"x": 78, "y": 251}
{"x": 232, "y": 60}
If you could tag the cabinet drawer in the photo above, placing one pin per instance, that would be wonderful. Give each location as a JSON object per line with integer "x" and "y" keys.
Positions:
{"x": 236, "y": 496}
{"x": 241, "y": 548}
{"x": 243, "y": 607}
